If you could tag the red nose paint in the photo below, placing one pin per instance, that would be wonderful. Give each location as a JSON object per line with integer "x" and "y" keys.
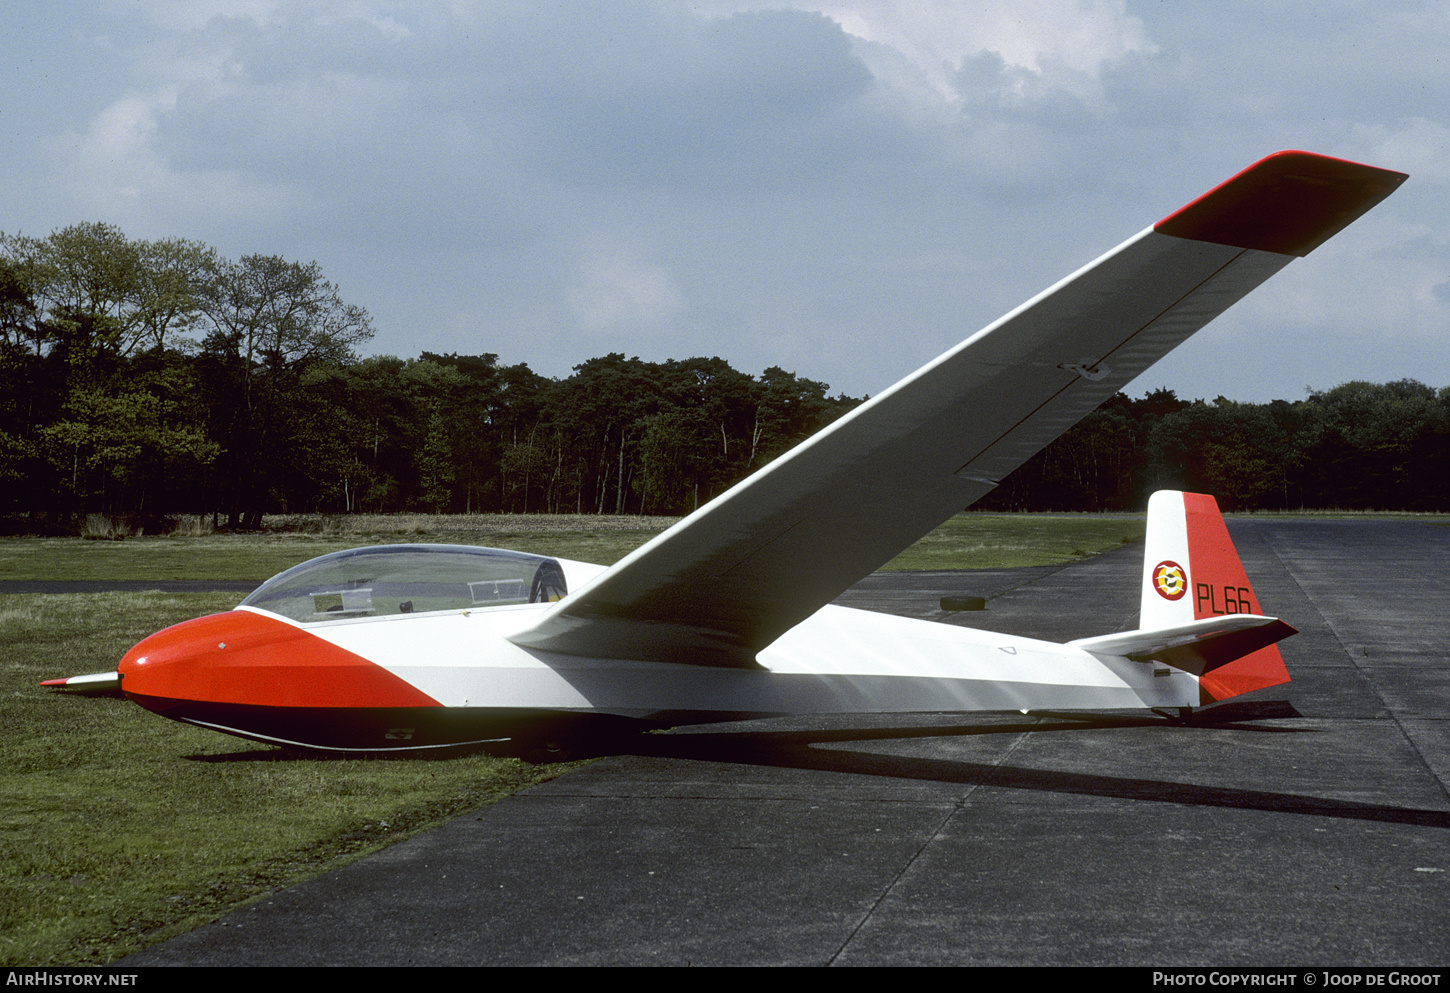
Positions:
{"x": 246, "y": 658}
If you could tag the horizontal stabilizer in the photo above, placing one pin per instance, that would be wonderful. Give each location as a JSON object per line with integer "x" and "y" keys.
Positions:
{"x": 100, "y": 682}
{"x": 1198, "y": 647}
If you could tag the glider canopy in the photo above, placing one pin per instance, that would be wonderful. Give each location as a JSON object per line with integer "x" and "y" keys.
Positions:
{"x": 405, "y": 579}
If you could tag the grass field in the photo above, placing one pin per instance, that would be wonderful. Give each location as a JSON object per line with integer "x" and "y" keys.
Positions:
{"x": 118, "y": 829}
{"x": 981, "y": 541}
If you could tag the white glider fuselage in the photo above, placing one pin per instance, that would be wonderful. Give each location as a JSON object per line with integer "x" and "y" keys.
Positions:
{"x": 467, "y": 682}
{"x": 839, "y": 660}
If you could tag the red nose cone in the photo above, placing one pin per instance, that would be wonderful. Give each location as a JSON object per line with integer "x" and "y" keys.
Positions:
{"x": 245, "y": 658}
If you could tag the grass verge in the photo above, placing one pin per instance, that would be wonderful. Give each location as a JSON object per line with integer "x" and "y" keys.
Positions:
{"x": 118, "y": 829}
{"x": 966, "y": 541}
{"x": 1005, "y": 541}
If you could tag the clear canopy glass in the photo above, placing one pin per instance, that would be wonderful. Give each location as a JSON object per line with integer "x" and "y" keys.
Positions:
{"x": 405, "y": 579}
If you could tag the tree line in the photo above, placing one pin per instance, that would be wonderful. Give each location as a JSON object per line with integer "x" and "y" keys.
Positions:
{"x": 1358, "y": 446}
{"x": 159, "y": 378}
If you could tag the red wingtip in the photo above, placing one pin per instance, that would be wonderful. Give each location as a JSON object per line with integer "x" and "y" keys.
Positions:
{"x": 1290, "y": 203}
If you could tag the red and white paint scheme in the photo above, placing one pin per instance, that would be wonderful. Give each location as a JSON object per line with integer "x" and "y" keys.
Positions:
{"x": 728, "y": 614}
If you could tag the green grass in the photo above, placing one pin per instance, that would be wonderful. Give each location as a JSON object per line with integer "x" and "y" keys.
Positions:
{"x": 258, "y": 556}
{"x": 1004, "y": 541}
{"x": 118, "y": 829}
{"x": 213, "y": 557}
{"x": 967, "y": 541}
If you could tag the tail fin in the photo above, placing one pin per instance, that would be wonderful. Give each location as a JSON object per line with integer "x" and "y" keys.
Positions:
{"x": 1191, "y": 572}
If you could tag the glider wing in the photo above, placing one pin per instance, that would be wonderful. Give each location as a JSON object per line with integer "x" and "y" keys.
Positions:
{"x": 729, "y": 579}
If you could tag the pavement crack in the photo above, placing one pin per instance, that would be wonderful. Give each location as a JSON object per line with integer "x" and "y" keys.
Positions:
{"x": 934, "y": 836}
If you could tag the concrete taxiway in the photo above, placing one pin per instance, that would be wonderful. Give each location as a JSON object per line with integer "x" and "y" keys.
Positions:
{"x": 1304, "y": 825}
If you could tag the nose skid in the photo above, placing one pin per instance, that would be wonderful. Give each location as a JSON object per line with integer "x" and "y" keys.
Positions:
{"x": 246, "y": 658}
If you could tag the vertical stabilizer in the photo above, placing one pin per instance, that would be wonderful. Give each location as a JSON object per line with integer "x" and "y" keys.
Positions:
{"x": 1191, "y": 571}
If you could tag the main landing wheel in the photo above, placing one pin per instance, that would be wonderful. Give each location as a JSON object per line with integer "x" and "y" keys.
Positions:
{"x": 545, "y": 750}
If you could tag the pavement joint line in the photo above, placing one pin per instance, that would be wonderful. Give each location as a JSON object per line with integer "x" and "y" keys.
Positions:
{"x": 934, "y": 837}
{"x": 890, "y": 885}
{"x": 1390, "y": 712}
{"x": 1425, "y": 765}
{"x": 1276, "y": 549}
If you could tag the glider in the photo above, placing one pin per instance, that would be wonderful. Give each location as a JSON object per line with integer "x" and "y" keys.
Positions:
{"x": 728, "y": 614}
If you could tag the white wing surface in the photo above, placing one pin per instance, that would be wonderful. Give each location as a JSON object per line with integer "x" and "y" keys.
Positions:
{"x": 731, "y": 578}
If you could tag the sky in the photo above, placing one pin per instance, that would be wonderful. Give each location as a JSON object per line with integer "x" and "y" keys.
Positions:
{"x": 844, "y": 189}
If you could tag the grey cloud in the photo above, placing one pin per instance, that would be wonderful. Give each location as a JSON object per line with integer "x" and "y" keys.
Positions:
{"x": 449, "y": 165}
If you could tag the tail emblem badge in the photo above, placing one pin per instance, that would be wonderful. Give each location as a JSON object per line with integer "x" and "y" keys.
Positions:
{"x": 1170, "y": 580}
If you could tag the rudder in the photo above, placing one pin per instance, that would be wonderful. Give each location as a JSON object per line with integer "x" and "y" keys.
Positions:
{"x": 1191, "y": 571}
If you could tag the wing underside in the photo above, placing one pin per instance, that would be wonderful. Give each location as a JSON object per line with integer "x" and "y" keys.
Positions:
{"x": 731, "y": 578}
